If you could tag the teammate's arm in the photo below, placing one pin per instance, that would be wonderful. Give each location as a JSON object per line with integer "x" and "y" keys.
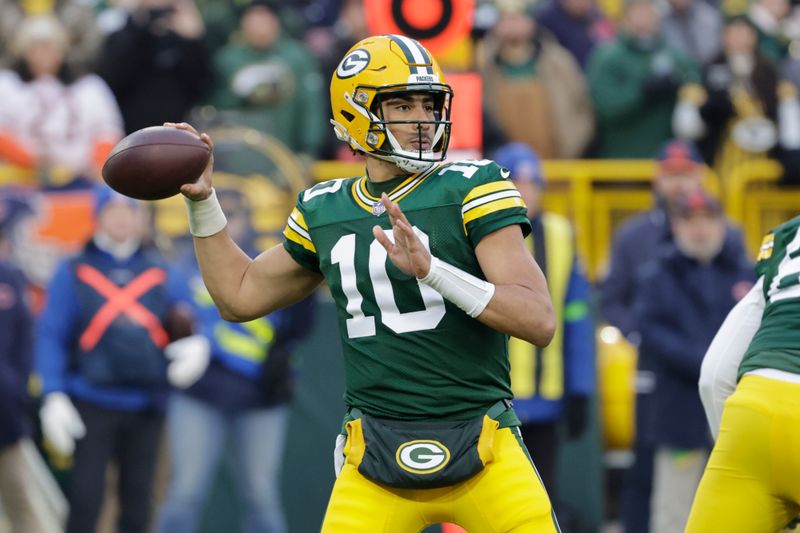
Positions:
{"x": 515, "y": 300}
{"x": 721, "y": 362}
{"x": 243, "y": 288}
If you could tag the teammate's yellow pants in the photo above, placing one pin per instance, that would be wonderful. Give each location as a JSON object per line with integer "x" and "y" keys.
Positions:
{"x": 506, "y": 496}
{"x": 752, "y": 480}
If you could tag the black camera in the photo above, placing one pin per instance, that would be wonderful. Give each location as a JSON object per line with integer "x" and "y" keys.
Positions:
{"x": 155, "y": 14}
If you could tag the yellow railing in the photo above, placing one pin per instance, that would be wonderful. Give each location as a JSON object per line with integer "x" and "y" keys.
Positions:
{"x": 19, "y": 176}
{"x": 595, "y": 194}
{"x": 598, "y": 194}
{"x": 754, "y": 200}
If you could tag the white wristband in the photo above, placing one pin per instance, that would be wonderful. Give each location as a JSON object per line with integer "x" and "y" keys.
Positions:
{"x": 205, "y": 216}
{"x": 469, "y": 293}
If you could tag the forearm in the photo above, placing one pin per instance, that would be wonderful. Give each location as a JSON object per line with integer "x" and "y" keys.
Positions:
{"x": 243, "y": 288}
{"x": 521, "y": 312}
{"x": 223, "y": 266}
{"x": 512, "y": 308}
{"x": 50, "y": 359}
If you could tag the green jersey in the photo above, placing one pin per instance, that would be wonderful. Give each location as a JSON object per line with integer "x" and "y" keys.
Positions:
{"x": 409, "y": 353}
{"x": 776, "y": 344}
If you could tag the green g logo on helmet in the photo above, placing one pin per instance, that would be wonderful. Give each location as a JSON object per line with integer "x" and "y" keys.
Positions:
{"x": 353, "y": 63}
{"x": 422, "y": 456}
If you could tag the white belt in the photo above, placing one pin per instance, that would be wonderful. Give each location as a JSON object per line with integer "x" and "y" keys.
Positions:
{"x": 774, "y": 373}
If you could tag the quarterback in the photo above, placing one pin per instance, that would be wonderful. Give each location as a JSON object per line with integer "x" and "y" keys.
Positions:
{"x": 750, "y": 388}
{"x": 430, "y": 273}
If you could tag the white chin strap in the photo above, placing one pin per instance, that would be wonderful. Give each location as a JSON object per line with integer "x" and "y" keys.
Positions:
{"x": 409, "y": 165}
{"x": 410, "y": 160}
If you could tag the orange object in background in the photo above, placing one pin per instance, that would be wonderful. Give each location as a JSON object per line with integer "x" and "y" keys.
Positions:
{"x": 13, "y": 153}
{"x": 466, "y": 140}
{"x": 60, "y": 224}
{"x": 452, "y": 528}
{"x": 436, "y": 24}
{"x": 67, "y": 218}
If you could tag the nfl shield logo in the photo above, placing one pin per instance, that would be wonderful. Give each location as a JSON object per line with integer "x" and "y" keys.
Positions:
{"x": 378, "y": 209}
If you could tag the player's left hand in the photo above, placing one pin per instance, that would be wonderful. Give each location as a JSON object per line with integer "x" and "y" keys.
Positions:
{"x": 406, "y": 251}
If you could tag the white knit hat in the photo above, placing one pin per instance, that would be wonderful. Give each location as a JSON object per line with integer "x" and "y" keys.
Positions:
{"x": 37, "y": 29}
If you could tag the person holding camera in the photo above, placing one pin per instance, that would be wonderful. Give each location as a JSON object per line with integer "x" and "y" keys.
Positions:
{"x": 157, "y": 64}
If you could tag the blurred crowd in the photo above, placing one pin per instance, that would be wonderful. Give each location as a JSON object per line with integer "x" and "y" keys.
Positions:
{"x": 559, "y": 75}
{"x": 688, "y": 83}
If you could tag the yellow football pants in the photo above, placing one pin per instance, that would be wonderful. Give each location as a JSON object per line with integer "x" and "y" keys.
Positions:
{"x": 752, "y": 480}
{"x": 506, "y": 496}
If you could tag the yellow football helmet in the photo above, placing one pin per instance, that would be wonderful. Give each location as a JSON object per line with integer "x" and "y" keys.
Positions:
{"x": 374, "y": 68}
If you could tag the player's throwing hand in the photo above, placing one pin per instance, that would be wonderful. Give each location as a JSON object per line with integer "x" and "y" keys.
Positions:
{"x": 201, "y": 189}
{"x": 407, "y": 251}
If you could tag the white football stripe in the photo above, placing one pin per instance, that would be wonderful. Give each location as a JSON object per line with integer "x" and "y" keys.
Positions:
{"x": 299, "y": 230}
{"x": 490, "y": 198}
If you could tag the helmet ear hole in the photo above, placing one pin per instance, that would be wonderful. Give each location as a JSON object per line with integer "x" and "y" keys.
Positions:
{"x": 348, "y": 116}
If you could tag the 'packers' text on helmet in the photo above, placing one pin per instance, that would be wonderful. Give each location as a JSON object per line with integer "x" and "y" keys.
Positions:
{"x": 374, "y": 69}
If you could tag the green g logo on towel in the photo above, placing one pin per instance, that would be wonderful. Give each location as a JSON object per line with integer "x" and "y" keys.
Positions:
{"x": 422, "y": 456}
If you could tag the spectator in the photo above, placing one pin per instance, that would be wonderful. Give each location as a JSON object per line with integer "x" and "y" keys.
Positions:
{"x": 635, "y": 245}
{"x": 220, "y": 21}
{"x": 693, "y": 27}
{"x": 774, "y": 27}
{"x": 634, "y": 81}
{"x": 272, "y": 83}
{"x": 534, "y": 89}
{"x": 99, "y": 352}
{"x": 684, "y": 299}
{"x": 77, "y": 17}
{"x": 243, "y": 396}
{"x": 551, "y": 385}
{"x": 221, "y": 18}
{"x": 330, "y": 45}
{"x": 50, "y": 120}
{"x": 742, "y": 104}
{"x": 16, "y": 357}
{"x": 640, "y": 238}
{"x": 157, "y": 65}
{"x": 578, "y": 25}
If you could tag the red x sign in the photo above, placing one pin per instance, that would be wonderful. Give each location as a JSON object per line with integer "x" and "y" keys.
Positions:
{"x": 122, "y": 300}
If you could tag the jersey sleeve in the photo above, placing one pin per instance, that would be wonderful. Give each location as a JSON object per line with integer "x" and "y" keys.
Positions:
{"x": 297, "y": 239}
{"x": 493, "y": 203}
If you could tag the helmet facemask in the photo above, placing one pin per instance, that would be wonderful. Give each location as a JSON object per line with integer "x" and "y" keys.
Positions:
{"x": 384, "y": 145}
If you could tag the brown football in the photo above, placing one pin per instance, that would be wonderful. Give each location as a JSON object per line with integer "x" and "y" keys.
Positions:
{"x": 153, "y": 163}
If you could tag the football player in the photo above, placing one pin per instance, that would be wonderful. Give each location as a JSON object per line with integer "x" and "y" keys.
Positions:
{"x": 430, "y": 273}
{"x": 750, "y": 388}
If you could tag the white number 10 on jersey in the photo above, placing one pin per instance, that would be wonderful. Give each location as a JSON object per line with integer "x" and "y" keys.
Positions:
{"x": 343, "y": 253}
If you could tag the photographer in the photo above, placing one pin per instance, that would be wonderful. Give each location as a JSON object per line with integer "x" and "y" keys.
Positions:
{"x": 157, "y": 65}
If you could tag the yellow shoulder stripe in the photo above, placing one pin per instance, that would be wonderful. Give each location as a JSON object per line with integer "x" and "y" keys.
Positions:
{"x": 765, "y": 252}
{"x": 488, "y": 188}
{"x": 298, "y": 217}
{"x": 491, "y": 207}
{"x": 296, "y": 238}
